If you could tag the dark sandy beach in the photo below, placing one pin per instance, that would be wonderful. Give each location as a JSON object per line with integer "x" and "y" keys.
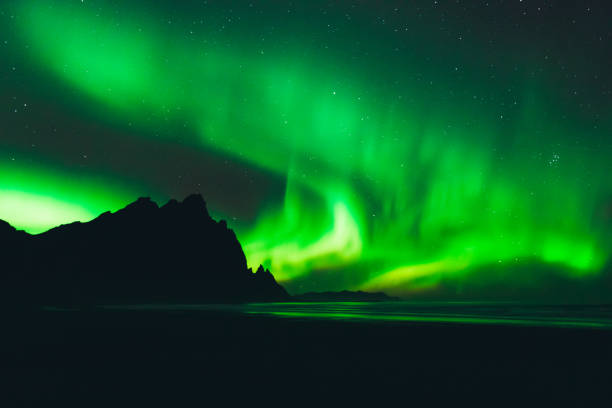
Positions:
{"x": 196, "y": 358}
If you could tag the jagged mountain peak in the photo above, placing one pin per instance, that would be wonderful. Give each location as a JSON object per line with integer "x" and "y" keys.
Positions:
{"x": 142, "y": 203}
{"x": 142, "y": 252}
{"x": 195, "y": 200}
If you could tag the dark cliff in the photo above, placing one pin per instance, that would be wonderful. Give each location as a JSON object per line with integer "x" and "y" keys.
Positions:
{"x": 142, "y": 253}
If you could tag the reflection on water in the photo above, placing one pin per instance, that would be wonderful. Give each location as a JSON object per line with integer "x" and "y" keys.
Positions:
{"x": 419, "y": 312}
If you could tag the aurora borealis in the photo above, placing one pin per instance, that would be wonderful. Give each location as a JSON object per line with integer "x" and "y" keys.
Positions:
{"x": 352, "y": 145}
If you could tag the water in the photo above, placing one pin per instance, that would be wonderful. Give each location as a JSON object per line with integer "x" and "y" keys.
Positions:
{"x": 572, "y": 316}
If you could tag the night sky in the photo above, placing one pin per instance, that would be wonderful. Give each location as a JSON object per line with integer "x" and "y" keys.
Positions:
{"x": 459, "y": 149}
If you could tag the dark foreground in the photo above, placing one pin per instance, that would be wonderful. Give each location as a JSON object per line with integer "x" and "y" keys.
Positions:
{"x": 194, "y": 358}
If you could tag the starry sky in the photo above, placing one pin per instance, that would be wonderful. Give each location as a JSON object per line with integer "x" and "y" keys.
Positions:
{"x": 429, "y": 149}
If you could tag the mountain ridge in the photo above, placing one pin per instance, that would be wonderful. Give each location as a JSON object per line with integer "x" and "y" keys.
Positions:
{"x": 142, "y": 252}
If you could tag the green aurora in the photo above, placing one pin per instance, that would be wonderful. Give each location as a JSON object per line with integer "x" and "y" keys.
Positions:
{"x": 399, "y": 169}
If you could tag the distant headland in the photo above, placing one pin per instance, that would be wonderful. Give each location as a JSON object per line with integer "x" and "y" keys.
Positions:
{"x": 344, "y": 296}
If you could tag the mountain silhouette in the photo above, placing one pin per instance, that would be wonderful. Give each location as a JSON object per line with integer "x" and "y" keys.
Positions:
{"x": 141, "y": 253}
